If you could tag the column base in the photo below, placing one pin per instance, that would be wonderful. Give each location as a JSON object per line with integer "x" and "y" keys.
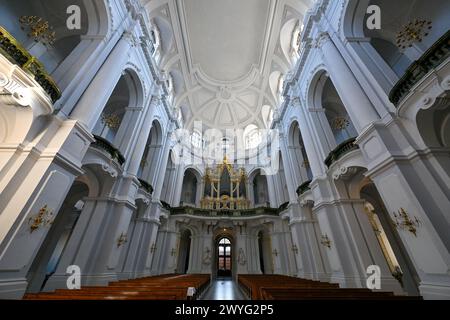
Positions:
{"x": 433, "y": 291}
{"x": 13, "y": 289}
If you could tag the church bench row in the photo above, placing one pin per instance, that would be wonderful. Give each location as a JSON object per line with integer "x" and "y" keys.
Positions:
{"x": 277, "y": 287}
{"x": 168, "y": 287}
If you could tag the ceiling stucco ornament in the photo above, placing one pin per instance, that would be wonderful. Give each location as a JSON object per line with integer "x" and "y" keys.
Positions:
{"x": 223, "y": 53}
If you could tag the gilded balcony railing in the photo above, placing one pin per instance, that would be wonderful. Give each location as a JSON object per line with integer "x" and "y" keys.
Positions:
{"x": 433, "y": 57}
{"x": 343, "y": 148}
{"x": 14, "y": 52}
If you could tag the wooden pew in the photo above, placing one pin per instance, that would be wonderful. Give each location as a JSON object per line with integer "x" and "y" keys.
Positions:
{"x": 278, "y": 287}
{"x": 166, "y": 287}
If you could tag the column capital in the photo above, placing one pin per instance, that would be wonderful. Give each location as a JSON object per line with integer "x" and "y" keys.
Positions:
{"x": 322, "y": 38}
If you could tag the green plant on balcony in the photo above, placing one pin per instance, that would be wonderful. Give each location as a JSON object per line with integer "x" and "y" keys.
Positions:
{"x": 16, "y": 54}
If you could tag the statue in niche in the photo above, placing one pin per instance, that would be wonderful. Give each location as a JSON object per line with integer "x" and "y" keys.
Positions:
{"x": 241, "y": 257}
{"x": 207, "y": 256}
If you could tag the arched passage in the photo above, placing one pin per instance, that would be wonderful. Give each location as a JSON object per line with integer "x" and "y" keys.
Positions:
{"x": 47, "y": 259}
{"x": 259, "y": 190}
{"x": 224, "y": 256}
{"x": 153, "y": 148}
{"x": 185, "y": 251}
{"x": 190, "y": 192}
{"x": 265, "y": 252}
{"x": 397, "y": 259}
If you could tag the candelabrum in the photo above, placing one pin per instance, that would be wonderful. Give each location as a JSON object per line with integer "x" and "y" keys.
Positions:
{"x": 414, "y": 31}
{"x": 122, "y": 239}
{"x": 38, "y": 29}
{"x": 43, "y": 218}
{"x": 340, "y": 123}
{"x": 326, "y": 241}
{"x": 402, "y": 220}
{"x": 112, "y": 121}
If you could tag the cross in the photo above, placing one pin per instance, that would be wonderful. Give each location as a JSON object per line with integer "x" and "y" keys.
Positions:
{"x": 275, "y": 252}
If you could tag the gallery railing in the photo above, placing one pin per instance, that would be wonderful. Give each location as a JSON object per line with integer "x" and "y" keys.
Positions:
{"x": 147, "y": 186}
{"x": 105, "y": 145}
{"x": 303, "y": 188}
{"x": 224, "y": 213}
{"x": 433, "y": 57}
{"x": 343, "y": 148}
{"x": 14, "y": 52}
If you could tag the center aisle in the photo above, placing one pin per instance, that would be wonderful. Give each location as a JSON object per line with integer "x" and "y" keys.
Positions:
{"x": 223, "y": 289}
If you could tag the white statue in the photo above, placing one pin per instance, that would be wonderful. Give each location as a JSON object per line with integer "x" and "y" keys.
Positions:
{"x": 241, "y": 257}
{"x": 207, "y": 256}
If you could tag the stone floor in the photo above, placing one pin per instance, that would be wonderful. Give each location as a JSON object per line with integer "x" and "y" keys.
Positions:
{"x": 223, "y": 289}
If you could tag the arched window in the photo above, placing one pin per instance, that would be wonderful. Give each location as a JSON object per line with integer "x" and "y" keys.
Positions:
{"x": 252, "y": 136}
{"x": 224, "y": 261}
{"x": 196, "y": 139}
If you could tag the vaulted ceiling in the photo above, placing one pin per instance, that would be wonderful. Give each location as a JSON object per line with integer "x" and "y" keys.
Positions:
{"x": 226, "y": 57}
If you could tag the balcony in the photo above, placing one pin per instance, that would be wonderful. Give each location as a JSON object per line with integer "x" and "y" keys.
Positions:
{"x": 303, "y": 188}
{"x": 16, "y": 54}
{"x": 146, "y": 186}
{"x": 105, "y": 145}
{"x": 342, "y": 149}
{"x": 433, "y": 57}
{"x": 225, "y": 213}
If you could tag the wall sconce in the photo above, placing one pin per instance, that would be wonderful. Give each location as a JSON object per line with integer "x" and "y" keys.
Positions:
{"x": 295, "y": 249}
{"x": 43, "y": 218}
{"x": 122, "y": 239}
{"x": 326, "y": 241}
{"x": 403, "y": 221}
{"x": 153, "y": 248}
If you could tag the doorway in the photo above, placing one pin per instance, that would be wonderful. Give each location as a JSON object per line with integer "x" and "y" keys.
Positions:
{"x": 224, "y": 259}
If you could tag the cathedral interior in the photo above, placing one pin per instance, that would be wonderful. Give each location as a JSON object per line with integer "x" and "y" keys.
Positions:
{"x": 224, "y": 149}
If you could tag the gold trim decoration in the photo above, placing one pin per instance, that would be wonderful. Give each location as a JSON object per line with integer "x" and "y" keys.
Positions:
{"x": 402, "y": 221}
{"x": 326, "y": 241}
{"x": 340, "y": 123}
{"x": 112, "y": 121}
{"x": 412, "y": 32}
{"x": 123, "y": 238}
{"x": 43, "y": 218}
{"x": 38, "y": 29}
{"x": 233, "y": 201}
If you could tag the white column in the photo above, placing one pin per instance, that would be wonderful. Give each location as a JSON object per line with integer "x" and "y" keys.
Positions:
{"x": 136, "y": 157}
{"x": 92, "y": 102}
{"x": 356, "y": 102}
{"x": 314, "y": 155}
{"x": 162, "y": 168}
